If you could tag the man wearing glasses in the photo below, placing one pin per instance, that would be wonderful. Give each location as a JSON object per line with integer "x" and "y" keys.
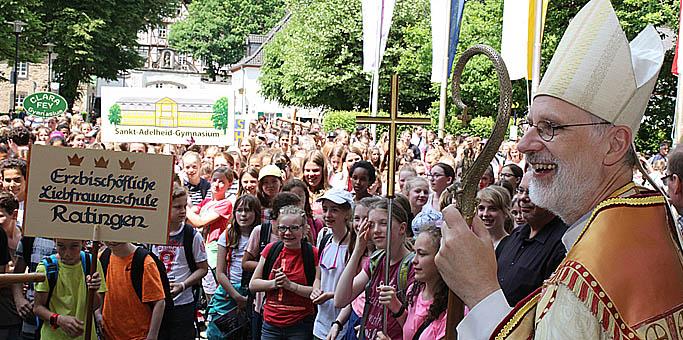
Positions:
{"x": 622, "y": 277}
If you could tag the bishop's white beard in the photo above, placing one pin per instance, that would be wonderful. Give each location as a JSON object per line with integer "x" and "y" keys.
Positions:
{"x": 565, "y": 194}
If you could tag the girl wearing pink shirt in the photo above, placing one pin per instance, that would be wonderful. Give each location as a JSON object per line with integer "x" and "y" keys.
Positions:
{"x": 424, "y": 317}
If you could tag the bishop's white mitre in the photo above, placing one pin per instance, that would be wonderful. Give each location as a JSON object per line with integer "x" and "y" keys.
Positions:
{"x": 596, "y": 69}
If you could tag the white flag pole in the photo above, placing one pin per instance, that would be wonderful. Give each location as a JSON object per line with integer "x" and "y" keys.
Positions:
{"x": 536, "y": 61}
{"x": 375, "y": 74}
{"x": 444, "y": 82}
{"x": 677, "y": 132}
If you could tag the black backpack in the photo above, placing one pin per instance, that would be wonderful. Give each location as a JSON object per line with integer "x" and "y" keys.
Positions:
{"x": 324, "y": 240}
{"x": 306, "y": 253}
{"x": 264, "y": 237}
{"x": 137, "y": 270}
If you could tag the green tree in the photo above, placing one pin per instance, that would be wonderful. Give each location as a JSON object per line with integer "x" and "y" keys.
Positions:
{"x": 215, "y": 30}
{"x": 97, "y": 39}
{"x": 220, "y": 114}
{"x": 317, "y": 59}
{"x": 115, "y": 114}
{"x": 31, "y": 39}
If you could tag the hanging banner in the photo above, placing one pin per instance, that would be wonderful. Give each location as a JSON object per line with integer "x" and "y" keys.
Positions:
{"x": 151, "y": 115}
{"x": 70, "y": 191}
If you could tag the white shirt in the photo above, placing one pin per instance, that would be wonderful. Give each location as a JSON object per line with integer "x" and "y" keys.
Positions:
{"x": 332, "y": 264}
{"x": 235, "y": 271}
{"x": 177, "y": 268}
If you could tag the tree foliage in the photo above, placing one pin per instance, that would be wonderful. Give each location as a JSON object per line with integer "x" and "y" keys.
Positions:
{"x": 92, "y": 38}
{"x": 317, "y": 59}
{"x": 219, "y": 117}
{"x": 215, "y": 30}
{"x": 31, "y": 37}
{"x": 115, "y": 114}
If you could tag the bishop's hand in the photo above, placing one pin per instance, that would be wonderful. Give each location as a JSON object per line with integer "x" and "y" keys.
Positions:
{"x": 466, "y": 258}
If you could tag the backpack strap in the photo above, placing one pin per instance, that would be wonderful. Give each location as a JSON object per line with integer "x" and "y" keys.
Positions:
{"x": 104, "y": 260}
{"x": 137, "y": 270}
{"x": 270, "y": 259}
{"x": 27, "y": 247}
{"x": 374, "y": 260}
{"x": 51, "y": 264}
{"x": 422, "y": 328}
{"x": 188, "y": 242}
{"x": 86, "y": 263}
{"x": 309, "y": 263}
{"x": 264, "y": 236}
{"x": 402, "y": 275}
{"x": 322, "y": 243}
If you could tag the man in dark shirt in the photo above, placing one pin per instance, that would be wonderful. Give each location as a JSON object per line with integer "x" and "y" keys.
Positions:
{"x": 532, "y": 252}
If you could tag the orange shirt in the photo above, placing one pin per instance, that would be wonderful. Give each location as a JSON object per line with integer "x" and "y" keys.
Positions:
{"x": 125, "y": 317}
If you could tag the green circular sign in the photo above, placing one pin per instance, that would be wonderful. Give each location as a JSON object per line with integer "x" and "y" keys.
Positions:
{"x": 45, "y": 104}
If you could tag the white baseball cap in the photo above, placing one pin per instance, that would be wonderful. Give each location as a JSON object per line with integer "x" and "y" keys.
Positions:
{"x": 337, "y": 196}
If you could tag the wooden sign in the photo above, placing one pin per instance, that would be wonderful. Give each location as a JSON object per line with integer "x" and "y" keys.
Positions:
{"x": 70, "y": 191}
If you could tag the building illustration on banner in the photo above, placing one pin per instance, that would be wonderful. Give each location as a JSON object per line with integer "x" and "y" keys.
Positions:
{"x": 168, "y": 116}
{"x": 162, "y": 112}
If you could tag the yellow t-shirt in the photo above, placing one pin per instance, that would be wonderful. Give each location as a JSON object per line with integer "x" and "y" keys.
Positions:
{"x": 68, "y": 298}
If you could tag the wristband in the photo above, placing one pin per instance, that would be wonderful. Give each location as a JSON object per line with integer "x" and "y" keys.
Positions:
{"x": 336, "y": 322}
{"x": 53, "y": 320}
{"x": 399, "y": 313}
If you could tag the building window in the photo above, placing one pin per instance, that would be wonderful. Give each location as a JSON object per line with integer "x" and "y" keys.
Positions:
{"x": 22, "y": 70}
{"x": 163, "y": 32}
{"x": 20, "y": 99}
{"x": 143, "y": 50}
{"x": 182, "y": 59}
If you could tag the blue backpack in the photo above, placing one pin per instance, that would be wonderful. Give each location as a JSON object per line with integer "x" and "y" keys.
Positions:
{"x": 51, "y": 264}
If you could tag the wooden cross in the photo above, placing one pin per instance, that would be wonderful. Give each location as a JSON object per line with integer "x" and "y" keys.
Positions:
{"x": 464, "y": 117}
{"x": 292, "y": 122}
{"x": 393, "y": 120}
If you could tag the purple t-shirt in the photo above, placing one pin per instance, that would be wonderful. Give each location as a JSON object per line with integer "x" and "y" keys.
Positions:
{"x": 374, "y": 322}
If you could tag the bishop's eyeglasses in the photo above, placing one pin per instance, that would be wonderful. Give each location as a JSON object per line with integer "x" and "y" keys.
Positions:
{"x": 546, "y": 130}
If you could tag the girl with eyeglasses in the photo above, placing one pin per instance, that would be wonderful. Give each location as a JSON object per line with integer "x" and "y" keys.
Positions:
{"x": 285, "y": 277}
{"x": 232, "y": 280}
{"x": 257, "y": 243}
{"x": 335, "y": 243}
{"x": 372, "y": 273}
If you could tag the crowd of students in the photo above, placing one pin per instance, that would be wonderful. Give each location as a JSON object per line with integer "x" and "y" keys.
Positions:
{"x": 282, "y": 236}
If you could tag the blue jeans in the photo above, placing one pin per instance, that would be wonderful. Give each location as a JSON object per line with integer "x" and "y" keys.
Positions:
{"x": 302, "y": 330}
{"x": 354, "y": 320}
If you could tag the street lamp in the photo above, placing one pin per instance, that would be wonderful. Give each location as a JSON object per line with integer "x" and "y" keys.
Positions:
{"x": 50, "y": 48}
{"x": 18, "y": 26}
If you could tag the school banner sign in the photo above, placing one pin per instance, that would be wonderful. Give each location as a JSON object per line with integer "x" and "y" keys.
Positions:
{"x": 45, "y": 104}
{"x": 174, "y": 116}
{"x": 70, "y": 191}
